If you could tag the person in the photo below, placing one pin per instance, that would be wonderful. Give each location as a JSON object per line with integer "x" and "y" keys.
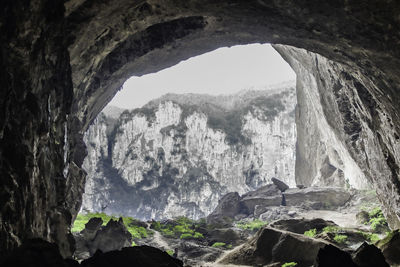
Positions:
{"x": 175, "y": 255}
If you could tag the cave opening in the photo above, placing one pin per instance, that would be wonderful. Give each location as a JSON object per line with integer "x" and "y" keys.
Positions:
{"x": 168, "y": 161}
{"x": 64, "y": 60}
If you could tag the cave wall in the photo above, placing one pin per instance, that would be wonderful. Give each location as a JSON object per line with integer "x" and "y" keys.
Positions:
{"x": 71, "y": 62}
{"x": 350, "y": 116}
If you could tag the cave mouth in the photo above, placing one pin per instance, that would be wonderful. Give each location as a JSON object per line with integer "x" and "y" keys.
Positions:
{"x": 58, "y": 85}
{"x": 172, "y": 200}
{"x": 242, "y": 99}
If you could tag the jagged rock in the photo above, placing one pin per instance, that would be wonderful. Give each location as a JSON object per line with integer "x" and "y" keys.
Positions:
{"x": 270, "y": 214}
{"x": 137, "y": 256}
{"x": 37, "y": 252}
{"x": 270, "y": 245}
{"x": 91, "y": 228}
{"x": 281, "y": 185}
{"x": 367, "y": 255}
{"x": 317, "y": 197}
{"x": 390, "y": 247}
{"x": 331, "y": 256}
{"x": 263, "y": 191}
{"x": 299, "y": 226}
{"x": 195, "y": 253}
{"x": 113, "y": 236}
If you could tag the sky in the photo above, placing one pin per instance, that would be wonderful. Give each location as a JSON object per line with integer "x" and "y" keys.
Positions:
{"x": 223, "y": 71}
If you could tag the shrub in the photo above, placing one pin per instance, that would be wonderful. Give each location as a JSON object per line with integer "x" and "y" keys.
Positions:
{"x": 167, "y": 232}
{"x": 311, "y": 232}
{"x": 170, "y": 252}
{"x": 133, "y": 244}
{"x": 377, "y": 219}
{"x": 186, "y": 236}
{"x": 289, "y": 264}
{"x": 340, "y": 239}
{"x": 218, "y": 244}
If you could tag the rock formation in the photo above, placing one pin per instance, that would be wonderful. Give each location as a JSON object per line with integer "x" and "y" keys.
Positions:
{"x": 179, "y": 154}
{"x": 62, "y": 61}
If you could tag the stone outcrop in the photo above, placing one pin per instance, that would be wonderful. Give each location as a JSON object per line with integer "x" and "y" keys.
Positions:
{"x": 179, "y": 154}
{"x": 64, "y": 60}
{"x": 368, "y": 255}
{"x": 113, "y": 236}
{"x": 271, "y": 245}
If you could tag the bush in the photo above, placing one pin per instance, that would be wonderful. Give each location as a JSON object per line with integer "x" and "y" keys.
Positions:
{"x": 218, "y": 244}
{"x": 377, "y": 220}
{"x": 186, "y": 236}
{"x": 167, "y": 232}
{"x": 311, "y": 232}
{"x": 289, "y": 264}
{"x": 340, "y": 239}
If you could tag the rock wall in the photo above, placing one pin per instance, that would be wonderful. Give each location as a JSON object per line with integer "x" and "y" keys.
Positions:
{"x": 352, "y": 120}
{"x": 180, "y": 154}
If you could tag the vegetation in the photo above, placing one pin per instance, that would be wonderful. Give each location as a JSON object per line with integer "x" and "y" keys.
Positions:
{"x": 331, "y": 229}
{"x": 181, "y": 227}
{"x": 186, "y": 236}
{"x": 340, "y": 239}
{"x": 377, "y": 220}
{"x": 254, "y": 225}
{"x": 170, "y": 252}
{"x": 311, "y": 232}
{"x": 218, "y": 245}
{"x": 137, "y": 231}
{"x": 289, "y": 264}
{"x": 371, "y": 237}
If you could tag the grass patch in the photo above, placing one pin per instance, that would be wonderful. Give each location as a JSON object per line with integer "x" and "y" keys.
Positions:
{"x": 186, "y": 236}
{"x": 130, "y": 223}
{"x": 254, "y": 225}
{"x": 289, "y": 264}
{"x": 311, "y": 232}
{"x": 331, "y": 229}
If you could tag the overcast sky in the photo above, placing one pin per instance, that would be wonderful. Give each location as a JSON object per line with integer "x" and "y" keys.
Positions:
{"x": 223, "y": 71}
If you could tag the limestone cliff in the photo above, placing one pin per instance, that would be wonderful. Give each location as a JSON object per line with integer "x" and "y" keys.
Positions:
{"x": 179, "y": 154}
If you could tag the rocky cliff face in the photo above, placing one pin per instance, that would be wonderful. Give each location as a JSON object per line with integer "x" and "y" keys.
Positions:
{"x": 179, "y": 154}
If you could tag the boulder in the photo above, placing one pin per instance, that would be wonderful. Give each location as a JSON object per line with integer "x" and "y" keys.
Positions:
{"x": 369, "y": 256}
{"x": 251, "y": 202}
{"x": 113, "y": 236}
{"x": 331, "y": 256}
{"x": 271, "y": 245}
{"x": 281, "y": 185}
{"x": 390, "y": 247}
{"x": 228, "y": 207}
{"x": 317, "y": 197}
{"x": 362, "y": 217}
{"x": 137, "y": 256}
{"x": 264, "y": 191}
{"x": 270, "y": 214}
{"x": 299, "y": 226}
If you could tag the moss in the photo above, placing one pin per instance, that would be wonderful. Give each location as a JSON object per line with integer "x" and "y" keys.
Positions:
{"x": 311, "y": 232}
{"x": 251, "y": 225}
{"x": 340, "y": 239}
{"x": 198, "y": 235}
{"x": 186, "y": 236}
{"x": 218, "y": 244}
{"x": 331, "y": 229}
{"x": 170, "y": 252}
{"x": 289, "y": 264}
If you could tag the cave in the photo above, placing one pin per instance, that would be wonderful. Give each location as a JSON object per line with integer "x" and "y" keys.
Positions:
{"x": 63, "y": 61}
